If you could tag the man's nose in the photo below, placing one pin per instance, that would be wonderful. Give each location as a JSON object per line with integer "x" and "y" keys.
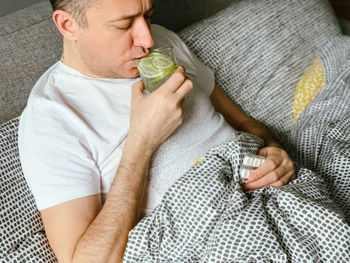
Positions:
{"x": 142, "y": 34}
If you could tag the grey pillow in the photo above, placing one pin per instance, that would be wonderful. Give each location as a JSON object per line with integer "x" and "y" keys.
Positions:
{"x": 22, "y": 234}
{"x": 259, "y": 50}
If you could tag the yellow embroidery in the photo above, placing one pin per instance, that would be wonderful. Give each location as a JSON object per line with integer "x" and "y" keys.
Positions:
{"x": 197, "y": 162}
{"x": 310, "y": 84}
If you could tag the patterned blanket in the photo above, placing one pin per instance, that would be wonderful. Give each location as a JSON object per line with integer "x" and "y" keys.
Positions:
{"x": 258, "y": 50}
{"x": 206, "y": 217}
{"x": 320, "y": 140}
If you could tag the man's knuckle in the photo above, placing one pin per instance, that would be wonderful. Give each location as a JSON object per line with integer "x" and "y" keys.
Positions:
{"x": 173, "y": 106}
{"x": 171, "y": 103}
{"x": 189, "y": 83}
{"x": 273, "y": 164}
{"x": 180, "y": 76}
{"x": 290, "y": 165}
{"x": 275, "y": 176}
{"x": 284, "y": 170}
{"x": 181, "y": 68}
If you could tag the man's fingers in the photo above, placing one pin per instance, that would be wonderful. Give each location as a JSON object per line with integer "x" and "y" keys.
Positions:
{"x": 185, "y": 88}
{"x": 293, "y": 177}
{"x": 181, "y": 69}
{"x": 175, "y": 81}
{"x": 277, "y": 170}
{"x": 269, "y": 165}
{"x": 270, "y": 178}
{"x": 284, "y": 180}
{"x": 137, "y": 89}
{"x": 264, "y": 151}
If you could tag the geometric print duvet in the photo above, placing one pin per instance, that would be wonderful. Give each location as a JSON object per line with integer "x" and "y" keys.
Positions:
{"x": 206, "y": 217}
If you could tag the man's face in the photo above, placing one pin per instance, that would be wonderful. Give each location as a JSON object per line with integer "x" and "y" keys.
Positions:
{"x": 118, "y": 32}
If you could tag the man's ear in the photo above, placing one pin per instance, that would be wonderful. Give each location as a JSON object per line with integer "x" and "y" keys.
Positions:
{"x": 66, "y": 24}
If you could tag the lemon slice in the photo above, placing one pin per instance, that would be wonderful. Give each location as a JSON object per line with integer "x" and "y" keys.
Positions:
{"x": 155, "y": 65}
{"x": 164, "y": 74}
{"x": 162, "y": 62}
{"x": 147, "y": 69}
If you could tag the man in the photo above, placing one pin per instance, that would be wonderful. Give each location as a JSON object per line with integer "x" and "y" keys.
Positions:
{"x": 88, "y": 129}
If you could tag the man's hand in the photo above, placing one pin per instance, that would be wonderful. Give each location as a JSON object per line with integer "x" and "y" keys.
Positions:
{"x": 277, "y": 170}
{"x": 155, "y": 117}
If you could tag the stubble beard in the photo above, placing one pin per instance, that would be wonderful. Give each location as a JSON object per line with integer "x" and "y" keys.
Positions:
{"x": 100, "y": 69}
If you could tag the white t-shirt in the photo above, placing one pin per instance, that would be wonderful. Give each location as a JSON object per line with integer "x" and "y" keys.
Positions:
{"x": 73, "y": 129}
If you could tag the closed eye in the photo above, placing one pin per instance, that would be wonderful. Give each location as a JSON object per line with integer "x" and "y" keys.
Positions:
{"x": 125, "y": 27}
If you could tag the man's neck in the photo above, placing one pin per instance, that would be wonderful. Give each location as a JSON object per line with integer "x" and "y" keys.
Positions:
{"x": 72, "y": 59}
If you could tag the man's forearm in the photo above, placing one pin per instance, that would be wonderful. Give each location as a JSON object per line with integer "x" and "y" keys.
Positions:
{"x": 153, "y": 118}
{"x": 106, "y": 238}
{"x": 238, "y": 119}
{"x": 255, "y": 127}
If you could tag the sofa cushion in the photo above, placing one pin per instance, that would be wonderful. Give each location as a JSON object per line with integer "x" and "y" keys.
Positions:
{"x": 260, "y": 49}
{"x": 22, "y": 233}
{"x": 29, "y": 45}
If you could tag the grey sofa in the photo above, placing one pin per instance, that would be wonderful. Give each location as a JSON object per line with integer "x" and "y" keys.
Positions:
{"x": 272, "y": 44}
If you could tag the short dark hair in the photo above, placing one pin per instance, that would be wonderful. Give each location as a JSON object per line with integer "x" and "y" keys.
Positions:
{"x": 77, "y": 8}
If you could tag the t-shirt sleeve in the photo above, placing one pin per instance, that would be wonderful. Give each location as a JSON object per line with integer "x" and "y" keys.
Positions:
{"x": 197, "y": 71}
{"x": 55, "y": 157}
